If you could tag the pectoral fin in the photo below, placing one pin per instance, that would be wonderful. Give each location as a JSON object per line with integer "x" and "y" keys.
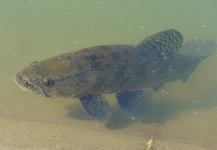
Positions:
{"x": 96, "y": 107}
{"x": 135, "y": 103}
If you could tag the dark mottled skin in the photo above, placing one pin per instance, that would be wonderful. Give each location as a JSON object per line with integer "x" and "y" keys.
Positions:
{"x": 118, "y": 68}
{"x": 131, "y": 70}
{"x": 109, "y": 69}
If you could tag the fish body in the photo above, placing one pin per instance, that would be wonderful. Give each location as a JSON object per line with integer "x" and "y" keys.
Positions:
{"x": 121, "y": 69}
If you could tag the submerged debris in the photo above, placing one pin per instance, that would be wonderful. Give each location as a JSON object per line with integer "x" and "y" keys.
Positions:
{"x": 149, "y": 144}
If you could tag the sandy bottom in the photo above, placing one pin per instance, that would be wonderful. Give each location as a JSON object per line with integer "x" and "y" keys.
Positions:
{"x": 43, "y": 136}
{"x": 29, "y": 121}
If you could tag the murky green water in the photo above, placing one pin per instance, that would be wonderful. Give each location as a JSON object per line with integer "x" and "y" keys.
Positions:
{"x": 36, "y": 29}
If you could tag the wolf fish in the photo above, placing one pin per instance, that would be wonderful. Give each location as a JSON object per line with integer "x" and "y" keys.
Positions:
{"x": 126, "y": 70}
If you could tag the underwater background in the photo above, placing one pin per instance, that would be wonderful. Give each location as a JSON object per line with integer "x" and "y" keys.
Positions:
{"x": 34, "y": 30}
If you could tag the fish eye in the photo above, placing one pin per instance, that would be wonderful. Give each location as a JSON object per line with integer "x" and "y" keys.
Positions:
{"x": 48, "y": 82}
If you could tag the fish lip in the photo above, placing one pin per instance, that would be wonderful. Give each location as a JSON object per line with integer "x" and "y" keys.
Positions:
{"x": 27, "y": 85}
{"x": 44, "y": 93}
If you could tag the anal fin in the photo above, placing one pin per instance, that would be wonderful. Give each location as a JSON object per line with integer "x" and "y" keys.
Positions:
{"x": 96, "y": 107}
{"x": 136, "y": 104}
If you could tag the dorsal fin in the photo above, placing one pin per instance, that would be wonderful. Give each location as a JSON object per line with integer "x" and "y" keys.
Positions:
{"x": 168, "y": 41}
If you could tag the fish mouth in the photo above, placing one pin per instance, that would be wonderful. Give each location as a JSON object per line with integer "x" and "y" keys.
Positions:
{"x": 27, "y": 85}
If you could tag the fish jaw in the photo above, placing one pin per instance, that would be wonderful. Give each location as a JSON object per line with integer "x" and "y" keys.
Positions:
{"x": 26, "y": 84}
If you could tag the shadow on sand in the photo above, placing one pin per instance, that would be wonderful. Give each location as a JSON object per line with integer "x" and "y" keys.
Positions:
{"x": 161, "y": 111}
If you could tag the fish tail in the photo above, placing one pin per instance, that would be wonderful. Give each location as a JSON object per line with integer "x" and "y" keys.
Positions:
{"x": 198, "y": 48}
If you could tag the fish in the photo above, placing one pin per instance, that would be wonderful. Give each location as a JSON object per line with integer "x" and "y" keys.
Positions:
{"x": 124, "y": 70}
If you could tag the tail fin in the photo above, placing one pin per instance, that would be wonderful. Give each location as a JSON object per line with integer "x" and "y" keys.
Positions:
{"x": 198, "y": 49}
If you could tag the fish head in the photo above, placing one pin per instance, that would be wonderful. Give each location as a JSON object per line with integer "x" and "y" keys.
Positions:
{"x": 36, "y": 78}
{"x": 34, "y": 83}
{"x": 56, "y": 78}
